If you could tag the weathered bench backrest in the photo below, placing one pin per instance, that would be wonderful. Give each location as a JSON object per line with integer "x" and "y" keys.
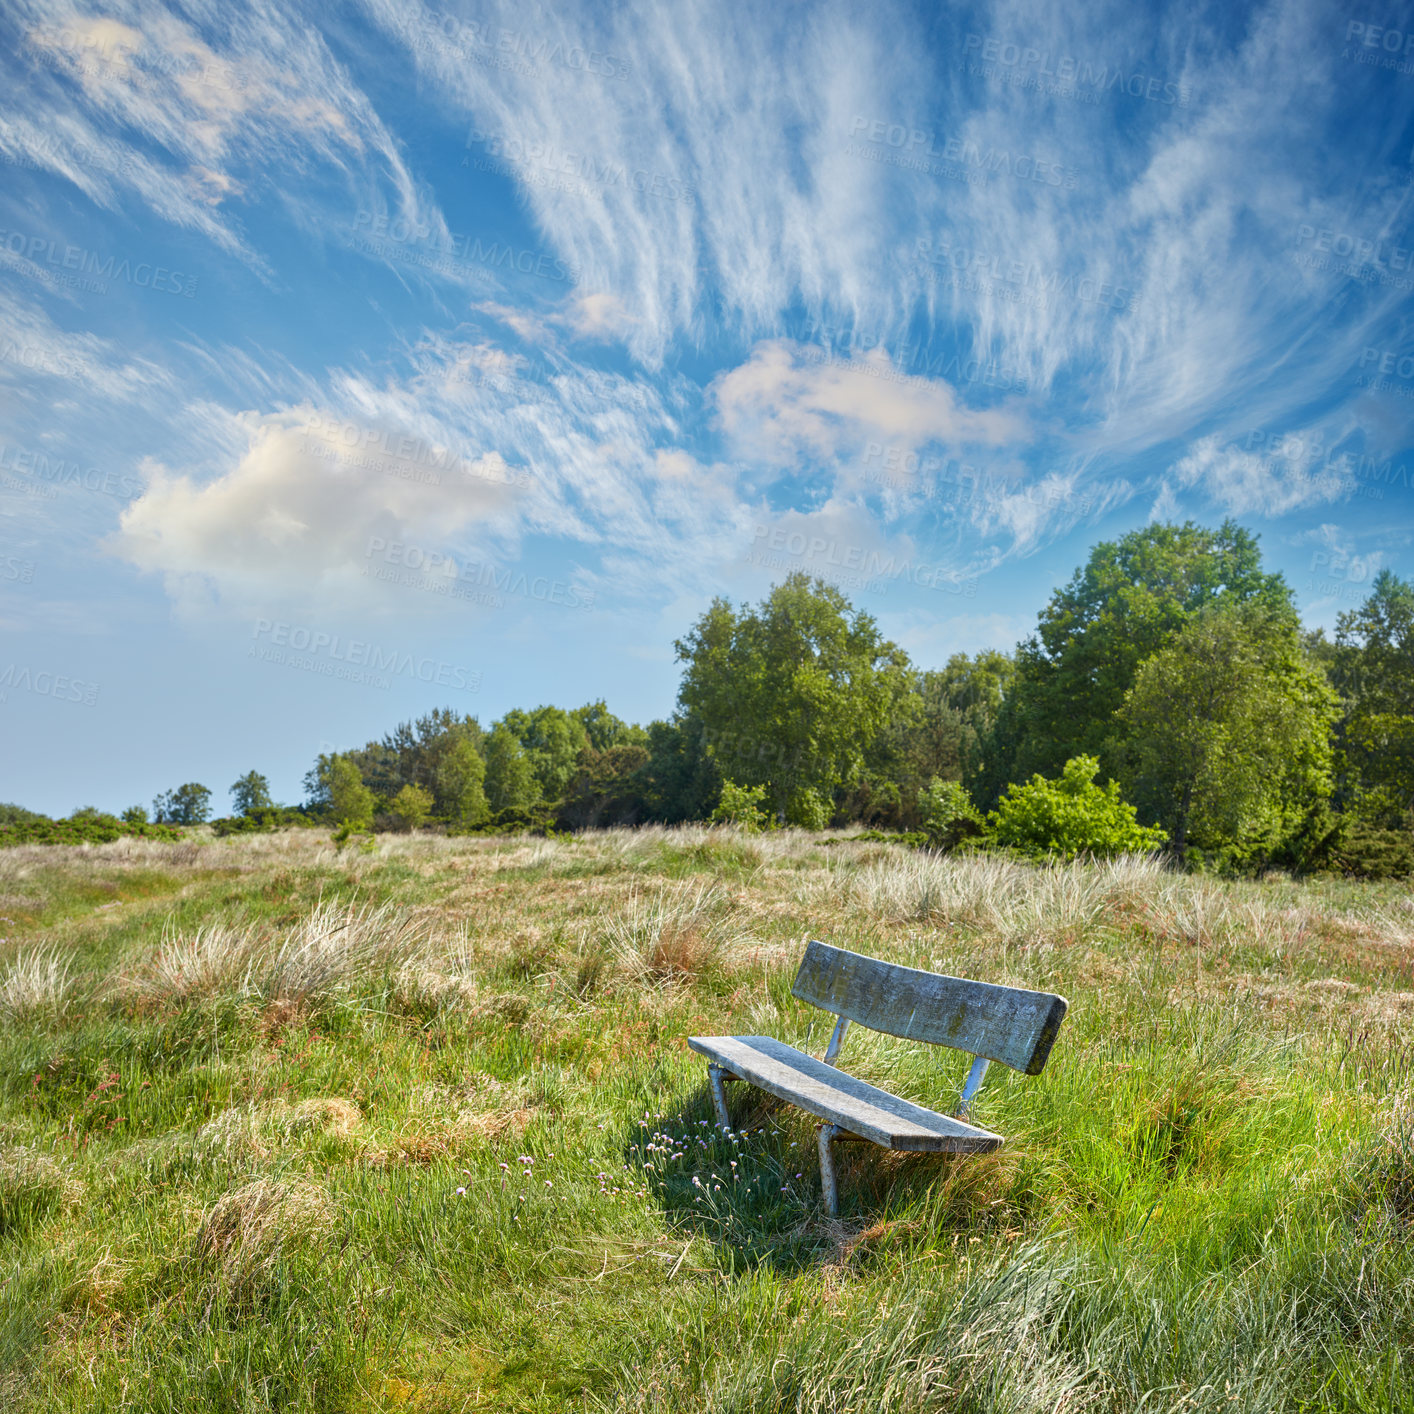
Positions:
{"x": 1007, "y": 1024}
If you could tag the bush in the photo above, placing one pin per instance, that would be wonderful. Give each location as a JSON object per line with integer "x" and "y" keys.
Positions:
{"x": 1070, "y": 816}
{"x": 948, "y": 814}
{"x": 265, "y": 819}
{"x": 1364, "y": 852}
{"x": 411, "y": 807}
{"x": 808, "y": 809}
{"x": 87, "y": 829}
{"x": 742, "y": 806}
{"x": 513, "y": 820}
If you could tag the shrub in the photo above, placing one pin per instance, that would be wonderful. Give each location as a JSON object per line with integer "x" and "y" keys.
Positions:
{"x": 264, "y": 820}
{"x": 742, "y": 806}
{"x": 411, "y": 807}
{"x": 1070, "y": 816}
{"x": 520, "y": 819}
{"x": 102, "y": 829}
{"x": 1368, "y": 853}
{"x": 948, "y": 814}
{"x": 808, "y": 809}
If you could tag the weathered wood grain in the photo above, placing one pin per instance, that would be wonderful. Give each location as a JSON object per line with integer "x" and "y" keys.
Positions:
{"x": 841, "y": 1099}
{"x": 1007, "y": 1024}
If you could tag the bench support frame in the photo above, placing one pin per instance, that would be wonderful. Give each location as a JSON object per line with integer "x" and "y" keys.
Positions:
{"x": 716, "y": 1075}
{"x": 972, "y": 1084}
{"x": 829, "y": 1189}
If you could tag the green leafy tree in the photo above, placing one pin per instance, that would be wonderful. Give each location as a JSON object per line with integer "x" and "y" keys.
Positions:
{"x": 680, "y": 780}
{"x": 351, "y": 803}
{"x": 251, "y": 793}
{"x": 742, "y": 806}
{"x": 135, "y": 815}
{"x": 791, "y": 694}
{"x": 552, "y": 740}
{"x": 458, "y": 777}
{"x": 411, "y": 752}
{"x": 1228, "y": 731}
{"x": 511, "y": 782}
{"x": 1127, "y": 602}
{"x": 606, "y": 731}
{"x": 1374, "y": 673}
{"x": 411, "y": 807}
{"x": 941, "y": 731}
{"x": 607, "y": 788}
{"x": 1070, "y": 816}
{"x": 187, "y": 805}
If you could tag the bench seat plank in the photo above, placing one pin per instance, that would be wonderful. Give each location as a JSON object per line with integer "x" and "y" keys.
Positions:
{"x": 854, "y": 1105}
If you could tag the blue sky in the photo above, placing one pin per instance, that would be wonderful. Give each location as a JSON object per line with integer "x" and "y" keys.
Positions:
{"x": 361, "y": 359}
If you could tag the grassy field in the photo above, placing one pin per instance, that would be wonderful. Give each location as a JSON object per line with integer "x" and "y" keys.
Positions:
{"x": 416, "y": 1127}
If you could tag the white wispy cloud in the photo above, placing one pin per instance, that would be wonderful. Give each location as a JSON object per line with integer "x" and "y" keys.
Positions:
{"x": 147, "y": 104}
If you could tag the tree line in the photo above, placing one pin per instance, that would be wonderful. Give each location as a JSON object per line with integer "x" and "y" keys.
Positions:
{"x": 1172, "y": 666}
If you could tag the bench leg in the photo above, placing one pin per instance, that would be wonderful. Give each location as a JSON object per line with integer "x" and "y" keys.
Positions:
{"x": 828, "y": 1189}
{"x": 715, "y": 1075}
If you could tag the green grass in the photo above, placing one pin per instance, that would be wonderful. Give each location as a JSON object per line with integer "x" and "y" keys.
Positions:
{"x": 242, "y": 1084}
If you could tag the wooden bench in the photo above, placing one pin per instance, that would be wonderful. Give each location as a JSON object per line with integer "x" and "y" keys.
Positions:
{"x": 1006, "y": 1024}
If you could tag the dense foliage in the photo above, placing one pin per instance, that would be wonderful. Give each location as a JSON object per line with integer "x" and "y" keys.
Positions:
{"x": 1071, "y": 817}
{"x": 84, "y": 826}
{"x": 1172, "y": 666}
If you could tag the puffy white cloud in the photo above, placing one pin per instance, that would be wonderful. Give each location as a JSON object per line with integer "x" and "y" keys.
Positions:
{"x": 785, "y": 401}
{"x": 293, "y": 519}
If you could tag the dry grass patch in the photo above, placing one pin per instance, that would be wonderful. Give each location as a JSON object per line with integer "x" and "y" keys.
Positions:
{"x": 187, "y": 966}
{"x": 247, "y": 1230}
{"x": 673, "y": 935}
{"x": 36, "y": 985}
{"x": 33, "y": 1186}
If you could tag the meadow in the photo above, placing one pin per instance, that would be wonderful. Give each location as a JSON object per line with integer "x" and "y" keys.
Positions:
{"x": 414, "y": 1126}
